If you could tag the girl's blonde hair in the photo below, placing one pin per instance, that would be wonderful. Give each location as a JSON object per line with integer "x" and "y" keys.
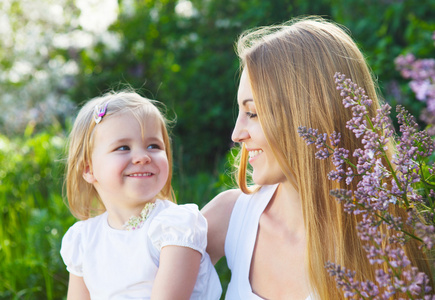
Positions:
{"x": 291, "y": 69}
{"x": 83, "y": 199}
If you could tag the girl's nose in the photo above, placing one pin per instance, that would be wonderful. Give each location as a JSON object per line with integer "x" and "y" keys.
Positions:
{"x": 240, "y": 133}
{"x": 141, "y": 157}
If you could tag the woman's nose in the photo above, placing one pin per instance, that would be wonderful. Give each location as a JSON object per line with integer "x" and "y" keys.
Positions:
{"x": 141, "y": 157}
{"x": 240, "y": 132}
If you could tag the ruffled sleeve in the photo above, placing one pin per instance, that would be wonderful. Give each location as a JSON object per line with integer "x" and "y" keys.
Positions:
{"x": 179, "y": 225}
{"x": 72, "y": 249}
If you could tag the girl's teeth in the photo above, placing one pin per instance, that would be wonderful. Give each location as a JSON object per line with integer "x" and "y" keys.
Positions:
{"x": 141, "y": 174}
{"x": 255, "y": 153}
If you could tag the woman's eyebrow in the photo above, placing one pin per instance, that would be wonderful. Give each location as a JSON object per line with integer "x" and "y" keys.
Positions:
{"x": 245, "y": 101}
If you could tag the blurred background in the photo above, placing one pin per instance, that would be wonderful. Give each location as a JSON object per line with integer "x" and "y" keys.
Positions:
{"x": 56, "y": 54}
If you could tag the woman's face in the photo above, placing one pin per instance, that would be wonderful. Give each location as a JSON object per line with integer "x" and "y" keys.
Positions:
{"x": 248, "y": 130}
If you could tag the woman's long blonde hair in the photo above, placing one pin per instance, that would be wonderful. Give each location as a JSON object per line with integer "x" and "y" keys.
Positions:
{"x": 291, "y": 68}
{"x": 83, "y": 199}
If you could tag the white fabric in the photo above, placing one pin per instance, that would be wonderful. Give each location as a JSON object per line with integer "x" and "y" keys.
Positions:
{"x": 119, "y": 264}
{"x": 240, "y": 241}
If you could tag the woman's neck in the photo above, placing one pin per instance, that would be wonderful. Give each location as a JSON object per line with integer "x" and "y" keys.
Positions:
{"x": 286, "y": 208}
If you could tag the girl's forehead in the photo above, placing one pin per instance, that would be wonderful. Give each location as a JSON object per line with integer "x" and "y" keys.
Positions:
{"x": 144, "y": 118}
{"x": 141, "y": 114}
{"x": 128, "y": 126}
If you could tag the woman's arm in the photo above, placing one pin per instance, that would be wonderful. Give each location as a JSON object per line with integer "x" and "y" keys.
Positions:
{"x": 177, "y": 273}
{"x": 77, "y": 289}
{"x": 218, "y": 213}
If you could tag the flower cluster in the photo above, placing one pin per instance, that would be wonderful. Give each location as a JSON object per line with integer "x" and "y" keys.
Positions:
{"x": 404, "y": 179}
{"x": 422, "y": 75}
{"x": 414, "y": 283}
{"x": 136, "y": 222}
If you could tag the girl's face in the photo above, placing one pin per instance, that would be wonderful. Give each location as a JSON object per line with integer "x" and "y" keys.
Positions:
{"x": 248, "y": 130}
{"x": 128, "y": 169}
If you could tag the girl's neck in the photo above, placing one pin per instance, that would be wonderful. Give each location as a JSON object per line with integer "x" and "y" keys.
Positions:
{"x": 119, "y": 216}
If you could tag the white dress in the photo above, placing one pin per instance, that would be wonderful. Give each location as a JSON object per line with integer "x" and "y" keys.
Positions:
{"x": 240, "y": 241}
{"x": 120, "y": 264}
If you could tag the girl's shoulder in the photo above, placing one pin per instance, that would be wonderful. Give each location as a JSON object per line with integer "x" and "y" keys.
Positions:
{"x": 180, "y": 225}
{"x": 169, "y": 209}
{"x": 90, "y": 224}
{"x": 85, "y": 229}
{"x": 75, "y": 240}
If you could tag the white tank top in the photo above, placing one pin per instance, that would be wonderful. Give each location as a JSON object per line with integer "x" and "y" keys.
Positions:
{"x": 240, "y": 241}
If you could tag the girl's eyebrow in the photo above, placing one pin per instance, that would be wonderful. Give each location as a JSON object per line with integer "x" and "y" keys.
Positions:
{"x": 120, "y": 141}
{"x": 154, "y": 139}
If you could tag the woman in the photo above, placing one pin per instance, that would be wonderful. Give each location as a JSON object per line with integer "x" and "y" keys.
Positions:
{"x": 278, "y": 237}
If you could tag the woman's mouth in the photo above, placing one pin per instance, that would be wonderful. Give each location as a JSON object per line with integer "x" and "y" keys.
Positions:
{"x": 254, "y": 153}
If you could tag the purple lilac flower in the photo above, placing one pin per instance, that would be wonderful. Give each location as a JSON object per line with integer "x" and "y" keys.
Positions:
{"x": 335, "y": 138}
{"x": 345, "y": 280}
{"x": 414, "y": 145}
{"x": 339, "y": 156}
{"x": 427, "y": 232}
{"x": 380, "y": 186}
{"x": 422, "y": 75}
{"x": 311, "y": 136}
{"x": 404, "y": 279}
{"x": 349, "y": 176}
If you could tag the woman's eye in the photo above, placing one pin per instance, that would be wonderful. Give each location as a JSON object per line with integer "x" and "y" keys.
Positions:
{"x": 251, "y": 115}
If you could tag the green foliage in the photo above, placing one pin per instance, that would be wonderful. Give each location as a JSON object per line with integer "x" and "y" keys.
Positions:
{"x": 33, "y": 216}
{"x": 386, "y": 29}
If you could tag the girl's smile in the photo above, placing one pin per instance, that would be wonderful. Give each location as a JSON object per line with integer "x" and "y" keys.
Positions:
{"x": 140, "y": 175}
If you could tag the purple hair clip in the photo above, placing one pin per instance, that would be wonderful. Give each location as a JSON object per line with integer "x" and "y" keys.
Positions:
{"x": 99, "y": 113}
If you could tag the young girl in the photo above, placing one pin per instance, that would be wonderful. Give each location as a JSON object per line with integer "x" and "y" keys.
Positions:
{"x": 140, "y": 244}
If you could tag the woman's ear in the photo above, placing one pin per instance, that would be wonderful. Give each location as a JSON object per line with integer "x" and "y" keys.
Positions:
{"x": 88, "y": 175}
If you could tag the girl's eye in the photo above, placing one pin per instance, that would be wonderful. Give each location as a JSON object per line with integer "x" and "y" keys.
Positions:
{"x": 154, "y": 146}
{"x": 123, "y": 148}
{"x": 251, "y": 115}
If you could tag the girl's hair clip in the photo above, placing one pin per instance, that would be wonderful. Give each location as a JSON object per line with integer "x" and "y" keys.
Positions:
{"x": 99, "y": 113}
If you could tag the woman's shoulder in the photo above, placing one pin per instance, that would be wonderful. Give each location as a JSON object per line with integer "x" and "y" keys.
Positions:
{"x": 222, "y": 204}
{"x": 218, "y": 214}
